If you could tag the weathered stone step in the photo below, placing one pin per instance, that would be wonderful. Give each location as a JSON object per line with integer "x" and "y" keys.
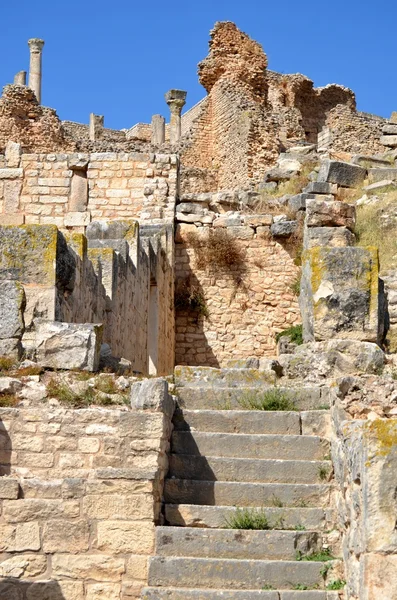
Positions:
{"x": 214, "y": 468}
{"x": 240, "y": 445}
{"x": 210, "y": 376}
{"x": 312, "y": 422}
{"x": 195, "y": 515}
{"x": 224, "y": 493}
{"x": 235, "y": 574}
{"x": 155, "y": 593}
{"x": 207, "y": 398}
{"x": 235, "y": 543}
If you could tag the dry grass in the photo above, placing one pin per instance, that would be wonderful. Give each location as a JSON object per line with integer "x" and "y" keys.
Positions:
{"x": 6, "y": 364}
{"x": 294, "y": 185}
{"x": 28, "y": 371}
{"x": 107, "y": 385}
{"x": 370, "y": 232}
{"x": 217, "y": 252}
{"x": 8, "y": 400}
{"x": 189, "y": 297}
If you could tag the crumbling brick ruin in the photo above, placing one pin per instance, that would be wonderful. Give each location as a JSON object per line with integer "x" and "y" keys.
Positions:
{"x": 198, "y": 336}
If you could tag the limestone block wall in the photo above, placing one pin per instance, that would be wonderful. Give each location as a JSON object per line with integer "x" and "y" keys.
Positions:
{"x": 80, "y": 494}
{"x": 115, "y": 278}
{"x": 355, "y": 132}
{"x": 364, "y": 453}
{"x": 70, "y": 190}
{"x": 246, "y": 306}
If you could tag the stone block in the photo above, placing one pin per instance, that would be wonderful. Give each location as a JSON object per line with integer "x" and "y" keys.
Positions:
{"x": 389, "y": 174}
{"x": 13, "y": 219}
{"x": 12, "y": 305}
{"x": 23, "y": 566}
{"x": 321, "y": 187}
{"x": 341, "y": 173}
{"x": 283, "y": 229}
{"x": 78, "y": 161}
{"x": 340, "y": 294}
{"x": 13, "y": 154}
{"x": 10, "y": 385}
{"x": 126, "y": 537}
{"x": 22, "y": 537}
{"x": 66, "y": 536}
{"x": 9, "y": 488}
{"x": 335, "y": 237}
{"x": 32, "y": 509}
{"x": 55, "y": 590}
{"x": 97, "y": 567}
{"x": 381, "y": 187}
{"x": 11, "y": 347}
{"x": 330, "y": 214}
{"x": 390, "y": 128}
{"x": 297, "y": 202}
{"x": 258, "y": 220}
{"x": 11, "y": 173}
{"x": 66, "y": 345}
{"x": 77, "y": 219}
{"x": 103, "y": 591}
{"x": 385, "y": 140}
{"x": 12, "y": 193}
{"x": 393, "y": 117}
{"x": 378, "y": 574}
{"x": 152, "y": 395}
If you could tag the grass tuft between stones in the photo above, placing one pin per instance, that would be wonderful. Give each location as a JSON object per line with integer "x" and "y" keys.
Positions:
{"x": 272, "y": 399}
{"x": 248, "y": 518}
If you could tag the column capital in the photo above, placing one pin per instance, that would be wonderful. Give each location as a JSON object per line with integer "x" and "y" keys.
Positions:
{"x": 176, "y": 99}
{"x": 36, "y": 44}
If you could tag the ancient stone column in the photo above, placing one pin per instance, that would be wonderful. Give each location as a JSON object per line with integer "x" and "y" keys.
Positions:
{"x": 36, "y": 47}
{"x": 176, "y": 100}
{"x": 96, "y": 126}
{"x": 158, "y": 130}
{"x": 20, "y": 78}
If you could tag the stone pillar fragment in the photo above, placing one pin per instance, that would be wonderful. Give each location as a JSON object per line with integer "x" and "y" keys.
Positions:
{"x": 96, "y": 126}
{"x": 158, "y": 130}
{"x": 36, "y": 47}
{"x": 20, "y": 78}
{"x": 176, "y": 100}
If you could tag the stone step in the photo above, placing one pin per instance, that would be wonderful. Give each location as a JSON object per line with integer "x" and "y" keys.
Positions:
{"x": 300, "y": 518}
{"x": 223, "y": 493}
{"x": 263, "y": 446}
{"x": 195, "y": 398}
{"x": 214, "y": 468}
{"x": 235, "y": 574}
{"x": 235, "y": 543}
{"x": 155, "y": 593}
{"x": 233, "y": 377}
{"x": 312, "y": 422}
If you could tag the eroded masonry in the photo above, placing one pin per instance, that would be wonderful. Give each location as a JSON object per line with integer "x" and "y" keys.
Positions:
{"x": 197, "y": 343}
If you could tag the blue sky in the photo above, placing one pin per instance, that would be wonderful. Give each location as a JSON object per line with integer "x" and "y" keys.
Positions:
{"x": 119, "y": 57}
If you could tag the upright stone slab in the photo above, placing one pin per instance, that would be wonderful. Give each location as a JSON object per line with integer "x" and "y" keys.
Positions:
{"x": 339, "y": 294}
{"x": 12, "y": 306}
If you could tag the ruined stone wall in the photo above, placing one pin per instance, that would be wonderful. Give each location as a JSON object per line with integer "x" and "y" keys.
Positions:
{"x": 106, "y": 280}
{"x": 70, "y": 190}
{"x": 80, "y": 494}
{"x": 364, "y": 454}
{"x": 354, "y": 132}
{"x": 247, "y": 305}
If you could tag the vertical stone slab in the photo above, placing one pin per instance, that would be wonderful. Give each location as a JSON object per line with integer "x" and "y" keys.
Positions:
{"x": 78, "y": 191}
{"x": 12, "y": 193}
{"x": 158, "y": 130}
{"x": 20, "y": 78}
{"x": 96, "y": 126}
{"x": 340, "y": 294}
{"x": 176, "y": 100}
{"x": 13, "y": 155}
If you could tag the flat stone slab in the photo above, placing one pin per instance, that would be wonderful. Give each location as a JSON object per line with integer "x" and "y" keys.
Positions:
{"x": 389, "y": 140}
{"x": 239, "y": 574}
{"x": 214, "y": 468}
{"x": 237, "y": 421}
{"x": 11, "y": 173}
{"x": 233, "y": 543}
{"x": 335, "y": 237}
{"x": 381, "y": 187}
{"x": 237, "y": 445}
{"x": 233, "y": 493}
{"x": 389, "y": 174}
{"x": 155, "y": 593}
{"x": 211, "y": 377}
{"x": 191, "y": 515}
{"x": 330, "y": 214}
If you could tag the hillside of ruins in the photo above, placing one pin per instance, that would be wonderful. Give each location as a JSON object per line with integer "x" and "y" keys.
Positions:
{"x": 198, "y": 342}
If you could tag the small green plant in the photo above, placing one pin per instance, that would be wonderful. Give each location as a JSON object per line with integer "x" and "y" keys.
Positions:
{"x": 247, "y": 518}
{"x": 66, "y": 395}
{"x": 338, "y": 584}
{"x": 296, "y": 286}
{"x": 276, "y": 501}
{"x": 189, "y": 297}
{"x": 272, "y": 399}
{"x": 321, "y": 556}
{"x": 8, "y": 400}
{"x": 325, "y": 568}
{"x": 300, "y": 528}
{"x": 301, "y": 503}
{"x": 323, "y": 473}
{"x": 267, "y": 587}
{"x": 295, "y": 333}
{"x": 107, "y": 385}
{"x": 300, "y": 586}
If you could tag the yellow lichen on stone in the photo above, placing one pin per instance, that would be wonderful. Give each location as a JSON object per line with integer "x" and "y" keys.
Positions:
{"x": 384, "y": 431}
{"x": 78, "y": 243}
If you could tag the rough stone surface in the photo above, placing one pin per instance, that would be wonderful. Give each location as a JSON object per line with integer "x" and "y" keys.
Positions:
{"x": 341, "y": 173}
{"x": 330, "y": 214}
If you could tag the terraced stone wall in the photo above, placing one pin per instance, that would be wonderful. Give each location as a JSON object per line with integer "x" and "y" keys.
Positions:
{"x": 80, "y": 494}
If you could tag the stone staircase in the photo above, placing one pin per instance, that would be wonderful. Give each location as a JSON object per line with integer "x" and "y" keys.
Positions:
{"x": 226, "y": 459}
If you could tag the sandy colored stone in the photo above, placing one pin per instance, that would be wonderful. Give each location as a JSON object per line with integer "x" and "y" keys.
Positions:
{"x": 20, "y": 538}
{"x": 103, "y": 591}
{"x": 98, "y": 567}
{"x": 15, "y": 511}
{"x": 125, "y": 537}
{"x": 66, "y": 536}
{"x": 25, "y": 565}
{"x": 139, "y": 506}
{"x": 137, "y": 567}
